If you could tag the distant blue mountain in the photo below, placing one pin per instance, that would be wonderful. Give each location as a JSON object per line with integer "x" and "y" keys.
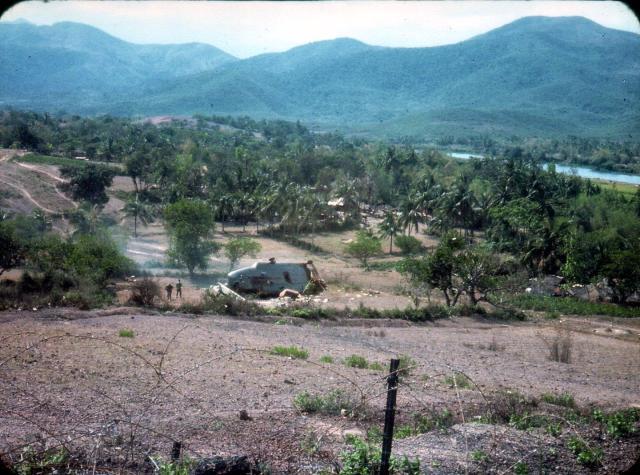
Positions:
{"x": 72, "y": 65}
{"x": 535, "y": 76}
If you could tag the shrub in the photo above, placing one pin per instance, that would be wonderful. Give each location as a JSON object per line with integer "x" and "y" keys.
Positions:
{"x": 126, "y": 333}
{"x": 331, "y": 403}
{"x": 326, "y": 359}
{"x": 585, "y": 454}
{"x": 364, "y": 247}
{"x": 290, "y": 351}
{"x": 521, "y": 468}
{"x": 375, "y": 366}
{"x": 619, "y": 423}
{"x": 507, "y": 314}
{"x": 563, "y": 399}
{"x": 479, "y": 456}
{"x": 356, "y": 361}
{"x": 458, "y": 380}
{"x": 526, "y": 421}
{"x": 506, "y": 404}
{"x": 229, "y": 305}
{"x": 409, "y": 244}
{"x": 144, "y": 291}
{"x": 560, "y": 347}
{"x": 85, "y": 299}
{"x": 364, "y": 458}
{"x": 406, "y": 366}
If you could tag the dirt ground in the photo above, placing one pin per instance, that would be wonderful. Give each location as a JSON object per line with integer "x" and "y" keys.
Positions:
{"x": 68, "y": 377}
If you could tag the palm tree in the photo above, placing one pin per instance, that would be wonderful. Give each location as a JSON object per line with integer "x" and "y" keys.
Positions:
{"x": 139, "y": 211}
{"x": 225, "y": 207}
{"x": 389, "y": 228}
{"x": 410, "y": 214}
{"x": 86, "y": 218}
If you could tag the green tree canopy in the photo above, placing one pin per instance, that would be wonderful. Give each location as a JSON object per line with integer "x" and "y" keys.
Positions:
{"x": 236, "y": 248}
{"x": 11, "y": 249}
{"x": 364, "y": 247}
{"x": 88, "y": 183}
{"x": 191, "y": 226}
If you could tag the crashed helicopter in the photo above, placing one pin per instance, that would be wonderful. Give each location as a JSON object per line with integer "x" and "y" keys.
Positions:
{"x": 271, "y": 278}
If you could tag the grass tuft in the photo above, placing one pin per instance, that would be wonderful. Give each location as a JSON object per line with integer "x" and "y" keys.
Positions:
{"x": 290, "y": 351}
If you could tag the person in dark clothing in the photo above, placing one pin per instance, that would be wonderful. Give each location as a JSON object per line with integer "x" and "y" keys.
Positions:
{"x": 179, "y": 289}
{"x": 169, "y": 289}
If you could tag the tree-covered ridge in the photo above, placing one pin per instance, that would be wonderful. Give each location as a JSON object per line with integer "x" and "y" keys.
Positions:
{"x": 537, "y": 76}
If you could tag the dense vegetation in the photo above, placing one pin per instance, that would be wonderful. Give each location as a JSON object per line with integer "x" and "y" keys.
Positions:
{"x": 488, "y": 84}
{"x": 78, "y": 270}
{"x": 505, "y": 214}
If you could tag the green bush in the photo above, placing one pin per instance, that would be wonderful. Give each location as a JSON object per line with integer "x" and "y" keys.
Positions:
{"x": 229, "y": 305}
{"x": 458, "y": 380}
{"x": 356, "y": 361}
{"x": 290, "y": 351}
{"x": 331, "y": 403}
{"x": 569, "y": 306}
{"x": 406, "y": 366}
{"x": 409, "y": 244}
{"x": 586, "y": 455}
{"x": 364, "y": 459}
{"x": 326, "y": 359}
{"x": 619, "y": 423}
{"x": 126, "y": 333}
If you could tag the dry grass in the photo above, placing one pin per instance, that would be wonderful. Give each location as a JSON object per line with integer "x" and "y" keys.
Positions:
{"x": 560, "y": 346}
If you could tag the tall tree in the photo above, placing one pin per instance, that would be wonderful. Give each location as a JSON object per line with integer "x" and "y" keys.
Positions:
{"x": 191, "y": 227}
{"x": 236, "y": 248}
{"x": 389, "y": 228}
{"x": 88, "y": 183}
{"x": 139, "y": 211}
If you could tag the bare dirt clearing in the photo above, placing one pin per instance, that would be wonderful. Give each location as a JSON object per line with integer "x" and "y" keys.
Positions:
{"x": 69, "y": 376}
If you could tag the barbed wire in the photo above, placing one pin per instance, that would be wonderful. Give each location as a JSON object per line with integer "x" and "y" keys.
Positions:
{"x": 167, "y": 382}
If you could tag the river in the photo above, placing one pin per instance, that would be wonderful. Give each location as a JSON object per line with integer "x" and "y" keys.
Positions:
{"x": 581, "y": 171}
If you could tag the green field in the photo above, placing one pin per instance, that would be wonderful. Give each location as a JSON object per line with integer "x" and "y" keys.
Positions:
{"x": 59, "y": 161}
{"x": 625, "y": 188}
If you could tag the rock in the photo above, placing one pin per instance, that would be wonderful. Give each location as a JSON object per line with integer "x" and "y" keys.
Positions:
{"x": 293, "y": 294}
{"x": 548, "y": 285}
{"x": 238, "y": 465}
{"x": 244, "y": 416}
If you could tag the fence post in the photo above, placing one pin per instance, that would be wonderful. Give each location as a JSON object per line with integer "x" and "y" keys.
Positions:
{"x": 389, "y": 416}
{"x": 175, "y": 451}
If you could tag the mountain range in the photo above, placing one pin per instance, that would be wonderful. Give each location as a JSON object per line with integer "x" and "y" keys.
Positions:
{"x": 542, "y": 76}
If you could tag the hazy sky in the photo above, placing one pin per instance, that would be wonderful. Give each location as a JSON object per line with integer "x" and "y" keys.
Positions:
{"x": 248, "y": 28}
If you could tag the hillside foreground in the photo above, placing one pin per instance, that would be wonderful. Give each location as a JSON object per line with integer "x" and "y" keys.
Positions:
{"x": 80, "y": 381}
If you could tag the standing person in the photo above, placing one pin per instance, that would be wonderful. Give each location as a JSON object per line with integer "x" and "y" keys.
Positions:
{"x": 179, "y": 289}
{"x": 169, "y": 289}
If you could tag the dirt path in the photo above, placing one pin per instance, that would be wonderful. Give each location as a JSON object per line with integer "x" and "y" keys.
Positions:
{"x": 22, "y": 190}
{"x": 40, "y": 171}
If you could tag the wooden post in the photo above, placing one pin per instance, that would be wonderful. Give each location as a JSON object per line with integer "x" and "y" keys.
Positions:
{"x": 175, "y": 451}
{"x": 389, "y": 416}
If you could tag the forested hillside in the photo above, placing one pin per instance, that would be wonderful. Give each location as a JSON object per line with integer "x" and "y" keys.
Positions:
{"x": 536, "y": 76}
{"x": 74, "y": 66}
